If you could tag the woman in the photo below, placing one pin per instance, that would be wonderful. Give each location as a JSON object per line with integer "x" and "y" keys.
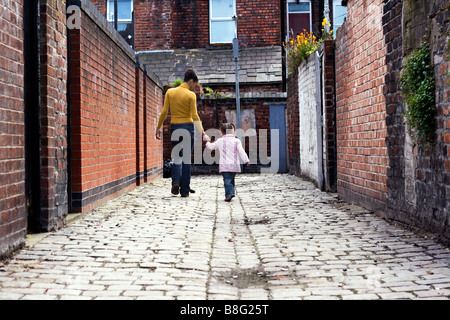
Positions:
{"x": 182, "y": 103}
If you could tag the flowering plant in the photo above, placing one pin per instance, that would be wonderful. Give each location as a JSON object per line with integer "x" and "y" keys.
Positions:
{"x": 326, "y": 32}
{"x": 299, "y": 48}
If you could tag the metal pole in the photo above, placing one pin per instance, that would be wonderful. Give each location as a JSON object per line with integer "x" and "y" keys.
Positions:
{"x": 238, "y": 100}
{"x": 236, "y": 71}
{"x": 133, "y": 32}
{"x": 116, "y": 13}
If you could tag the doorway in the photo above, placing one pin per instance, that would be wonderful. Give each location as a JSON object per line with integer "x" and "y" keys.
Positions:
{"x": 32, "y": 112}
{"x": 278, "y": 122}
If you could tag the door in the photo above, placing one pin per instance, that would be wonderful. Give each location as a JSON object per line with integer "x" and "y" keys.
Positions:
{"x": 278, "y": 142}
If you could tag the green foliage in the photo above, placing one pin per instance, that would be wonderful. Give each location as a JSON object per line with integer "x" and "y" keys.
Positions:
{"x": 212, "y": 93}
{"x": 417, "y": 83}
{"x": 176, "y": 83}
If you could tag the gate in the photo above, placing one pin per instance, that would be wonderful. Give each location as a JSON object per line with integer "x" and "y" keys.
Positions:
{"x": 278, "y": 122}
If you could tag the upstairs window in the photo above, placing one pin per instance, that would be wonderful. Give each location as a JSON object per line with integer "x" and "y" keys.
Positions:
{"x": 222, "y": 27}
{"x": 299, "y": 17}
{"x": 125, "y": 18}
{"x": 339, "y": 14}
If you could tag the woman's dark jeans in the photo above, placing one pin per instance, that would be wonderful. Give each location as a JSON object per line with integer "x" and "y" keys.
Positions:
{"x": 181, "y": 168}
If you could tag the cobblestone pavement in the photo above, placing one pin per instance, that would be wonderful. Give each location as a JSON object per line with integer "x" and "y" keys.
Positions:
{"x": 280, "y": 238}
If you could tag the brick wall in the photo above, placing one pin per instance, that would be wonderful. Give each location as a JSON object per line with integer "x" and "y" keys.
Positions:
{"x": 329, "y": 115}
{"x": 12, "y": 143}
{"x": 433, "y": 164}
{"x": 293, "y": 121}
{"x": 113, "y": 110}
{"x": 418, "y": 177}
{"x": 361, "y": 105}
{"x": 258, "y": 23}
{"x": 309, "y": 139}
{"x": 53, "y": 58}
{"x": 397, "y": 196}
{"x": 312, "y": 150}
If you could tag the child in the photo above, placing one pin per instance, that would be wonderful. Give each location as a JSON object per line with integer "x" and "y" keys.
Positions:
{"x": 230, "y": 149}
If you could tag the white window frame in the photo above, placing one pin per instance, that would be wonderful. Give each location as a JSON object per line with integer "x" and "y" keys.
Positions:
{"x": 287, "y": 16}
{"x": 110, "y": 19}
{"x": 211, "y": 19}
{"x": 335, "y": 3}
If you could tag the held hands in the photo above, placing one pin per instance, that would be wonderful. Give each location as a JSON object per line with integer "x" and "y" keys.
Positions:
{"x": 206, "y": 137}
{"x": 158, "y": 134}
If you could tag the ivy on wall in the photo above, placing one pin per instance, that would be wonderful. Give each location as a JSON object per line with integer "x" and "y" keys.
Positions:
{"x": 418, "y": 90}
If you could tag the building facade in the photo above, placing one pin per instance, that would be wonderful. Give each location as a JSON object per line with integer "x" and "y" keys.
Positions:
{"x": 173, "y": 35}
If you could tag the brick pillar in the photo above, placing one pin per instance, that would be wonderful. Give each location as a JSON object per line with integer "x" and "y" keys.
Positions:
{"x": 329, "y": 116}
{"x": 53, "y": 53}
{"x": 293, "y": 122}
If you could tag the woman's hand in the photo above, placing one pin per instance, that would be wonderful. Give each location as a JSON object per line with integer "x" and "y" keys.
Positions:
{"x": 158, "y": 134}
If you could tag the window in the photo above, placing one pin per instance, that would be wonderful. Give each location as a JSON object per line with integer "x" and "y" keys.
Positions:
{"x": 339, "y": 14}
{"x": 222, "y": 27}
{"x": 299, "y": 17}
{"x": 125, "y": 18}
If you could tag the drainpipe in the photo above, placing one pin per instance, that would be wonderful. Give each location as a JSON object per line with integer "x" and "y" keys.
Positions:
{"x": 320, "y": 178}
{"x": 116, "y": 13}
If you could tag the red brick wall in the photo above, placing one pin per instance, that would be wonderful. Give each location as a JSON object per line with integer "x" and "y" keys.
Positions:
{"x": 293, "y": 122}
{"x": 53, "y": 54}
{"x": 107, "y": 117}
{"x": 361, "y": 106}
{"x": 12, "y": 143}
{"x": 329, "y": 116}
{"x": 259, "y": 23}
{"x": 101, "y": 6}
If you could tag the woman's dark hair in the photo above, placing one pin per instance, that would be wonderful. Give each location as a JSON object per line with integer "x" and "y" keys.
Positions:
{"x": 224, "y": 127}
{"x": 190, "y": 75}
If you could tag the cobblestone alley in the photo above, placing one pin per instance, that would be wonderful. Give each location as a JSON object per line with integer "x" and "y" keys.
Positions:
{"x": 280, "y": 238}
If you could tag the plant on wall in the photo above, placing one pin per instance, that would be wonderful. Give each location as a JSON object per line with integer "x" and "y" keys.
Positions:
{"x": 417, "y": 84}
{"x": 212, "y": 93}
{"x": 305, "y": 43}
{"x": 327, "y": 34}
{"x": 299, "y": 48}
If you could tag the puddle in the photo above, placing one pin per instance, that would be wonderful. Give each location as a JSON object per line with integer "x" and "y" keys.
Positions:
{"x": 248, "y": 221}
{"x": 245, "y": 278}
